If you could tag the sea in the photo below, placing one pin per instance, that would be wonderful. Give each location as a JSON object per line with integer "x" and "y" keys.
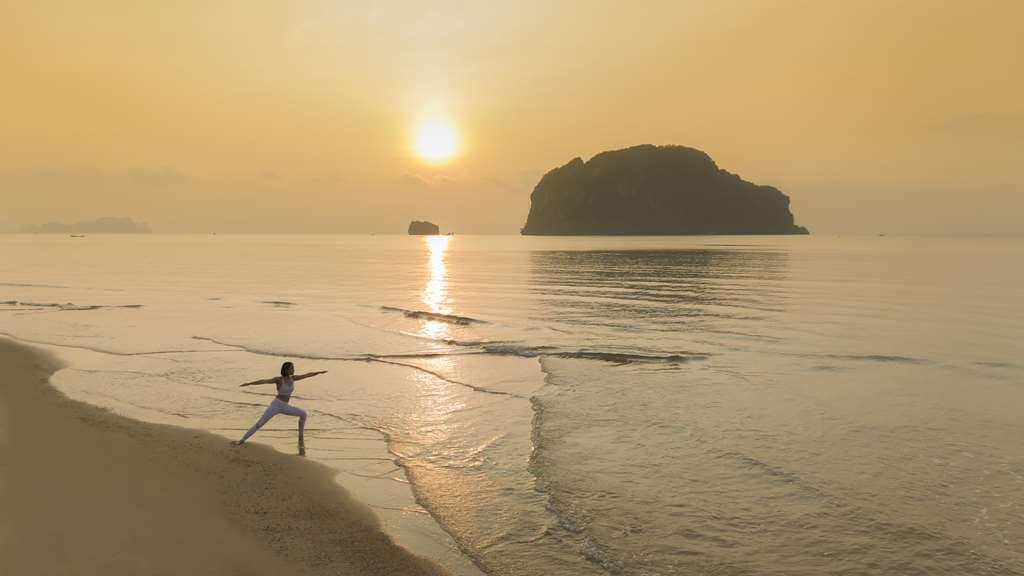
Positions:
{"x": 791, "y": 405}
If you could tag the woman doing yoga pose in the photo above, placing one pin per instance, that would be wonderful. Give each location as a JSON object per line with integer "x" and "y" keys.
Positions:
{"x": 279, "y": 405}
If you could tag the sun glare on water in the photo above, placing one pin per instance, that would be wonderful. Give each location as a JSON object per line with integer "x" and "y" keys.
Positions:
{"x": 436, "y": 141}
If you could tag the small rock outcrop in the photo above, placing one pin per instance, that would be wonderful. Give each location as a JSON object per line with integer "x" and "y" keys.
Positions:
{"x": 424, "y": 228}
{"x": 654, "y": 190}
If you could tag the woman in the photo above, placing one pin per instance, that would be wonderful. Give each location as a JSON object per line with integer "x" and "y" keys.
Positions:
{"x": 285, "y": 386}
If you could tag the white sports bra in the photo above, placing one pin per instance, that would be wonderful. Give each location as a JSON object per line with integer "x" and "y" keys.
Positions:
{"x": 285, "y": 388}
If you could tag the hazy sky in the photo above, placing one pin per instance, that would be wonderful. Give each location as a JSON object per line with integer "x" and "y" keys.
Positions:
{"x": 299, "y": 116}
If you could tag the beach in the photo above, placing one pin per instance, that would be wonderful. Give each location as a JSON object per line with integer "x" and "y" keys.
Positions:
{"x": 515, "y": 406}
{"x": 85, "y": 491}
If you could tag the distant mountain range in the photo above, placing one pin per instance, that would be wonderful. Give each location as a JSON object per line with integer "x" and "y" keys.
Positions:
{"x": 654, "y": 190}
{"x": 104, "y": 225}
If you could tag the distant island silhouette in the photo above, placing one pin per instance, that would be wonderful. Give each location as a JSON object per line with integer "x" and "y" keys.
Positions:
{"x": 654, "y": 190}
{"x": 104, "y": 225}
{"x": 418, "y": 228}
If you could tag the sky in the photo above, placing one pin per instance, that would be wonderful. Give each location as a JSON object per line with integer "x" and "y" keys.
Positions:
{"x": 248, "y": 116}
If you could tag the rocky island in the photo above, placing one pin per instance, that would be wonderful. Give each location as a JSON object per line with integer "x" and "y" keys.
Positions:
{"x": 654, "y": 190}
{"x": 418, "y": 228}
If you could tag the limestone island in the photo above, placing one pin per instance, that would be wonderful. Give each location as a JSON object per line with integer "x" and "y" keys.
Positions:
{"x": 654, "y": 190}
{"x": 417, "y": 228}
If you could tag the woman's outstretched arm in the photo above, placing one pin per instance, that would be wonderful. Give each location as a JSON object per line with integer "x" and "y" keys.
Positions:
{"x": 264, "y": 381}
{"x": 309, "y": 375}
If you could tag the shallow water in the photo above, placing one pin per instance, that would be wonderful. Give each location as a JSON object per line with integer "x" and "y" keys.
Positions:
{"x": 719, "y": 405}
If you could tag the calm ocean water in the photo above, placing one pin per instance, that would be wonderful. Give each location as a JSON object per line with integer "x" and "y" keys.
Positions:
{"x": 636, "y": 406}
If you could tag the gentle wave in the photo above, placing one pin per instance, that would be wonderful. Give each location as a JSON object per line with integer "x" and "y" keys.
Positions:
{"x": 67, "y": 306}
{"x": 991, "y": 364}
{"x": 522, "y": 350}
{"x": 562, "y": 510}
{"x": 884, "y": 358}
{"x": 449, "y": 318}
{"x": 368, "y": 357}
{"x": 475, "y": 388}
{"x": 492, "y": 348}
{"x": 878, "y": 358}
{"x": 107, "y": 350}
{"x": 613, "y": 357}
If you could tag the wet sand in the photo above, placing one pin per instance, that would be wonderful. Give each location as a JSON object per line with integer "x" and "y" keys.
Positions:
{"x": 84, "y": 491}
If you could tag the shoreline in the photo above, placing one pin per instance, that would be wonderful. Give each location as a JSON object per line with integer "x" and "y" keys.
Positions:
{"x": 86, "y": 491}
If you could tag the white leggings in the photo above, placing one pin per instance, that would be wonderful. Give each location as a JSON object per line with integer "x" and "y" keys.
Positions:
{"x": 276, "y": 407}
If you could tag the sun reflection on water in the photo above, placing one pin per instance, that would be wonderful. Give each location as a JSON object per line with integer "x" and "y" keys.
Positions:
{"x": 435, "y": 293}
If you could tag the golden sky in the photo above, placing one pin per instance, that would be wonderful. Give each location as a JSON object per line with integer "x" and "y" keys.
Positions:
{"x": 300, "y": 116}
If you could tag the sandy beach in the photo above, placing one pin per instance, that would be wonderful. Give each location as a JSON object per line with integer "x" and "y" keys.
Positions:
{"x": 84, "y": 491}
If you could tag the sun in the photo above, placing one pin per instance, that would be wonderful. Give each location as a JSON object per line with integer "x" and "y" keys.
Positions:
{"x": 436, "y": 141}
